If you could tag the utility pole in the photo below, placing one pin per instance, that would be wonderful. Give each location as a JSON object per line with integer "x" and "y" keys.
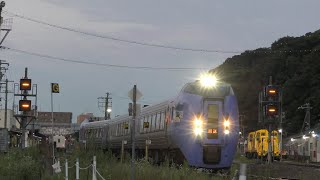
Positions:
{"x": 134, "y": 100}
{"x": 242, "y": 149}
{"x": 4, "y": 25}
{"x": 3, "y": 69}
{"x": 106, "y": 103}
{"x": 306, "y": 123}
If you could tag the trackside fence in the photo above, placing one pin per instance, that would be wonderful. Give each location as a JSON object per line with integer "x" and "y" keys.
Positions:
{"x": 95, "y": 173}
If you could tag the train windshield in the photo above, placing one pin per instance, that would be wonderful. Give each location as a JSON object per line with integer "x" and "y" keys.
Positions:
{"x": 221, "y": 90}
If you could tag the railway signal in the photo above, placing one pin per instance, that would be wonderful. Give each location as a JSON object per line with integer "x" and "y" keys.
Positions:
{"x": 270, "y": 109}
{"x": 24, "y": 105}
{"x": 25, "y": 84}
{"x": 22, "y": 89}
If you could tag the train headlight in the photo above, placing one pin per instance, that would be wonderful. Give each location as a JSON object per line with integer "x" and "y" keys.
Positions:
{"x": 226, "y": 131}
{"x": 197, "y": 128}
{"x": 226, "y": 123}
{"x": 198, "y": 131}
{"x": 208, "y": 80}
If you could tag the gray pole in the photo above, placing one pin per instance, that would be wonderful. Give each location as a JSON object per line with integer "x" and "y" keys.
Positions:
{"x": 52, "y": 125}
{"x": 133, "y": 127}
{"x": 6, "y": 106}
{"x": 23, "y": 118}
{"x": 106, "y": 107}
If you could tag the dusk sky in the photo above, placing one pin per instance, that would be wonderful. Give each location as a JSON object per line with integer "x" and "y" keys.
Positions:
{"x": 204, "y": 24}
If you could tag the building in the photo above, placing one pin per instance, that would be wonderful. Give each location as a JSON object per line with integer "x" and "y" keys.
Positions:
{"x": 83, "y": 117}
{"x": 59, "y": 118}
{"x": 12, "y": 123}
{"x": 62, "y": 123}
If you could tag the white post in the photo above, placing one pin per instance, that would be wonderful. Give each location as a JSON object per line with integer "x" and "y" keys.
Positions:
{"x": 243, "y": 171}
{"x": 66, "y": 169}
{"x": 94, "y": 176}
{"x": 77, "y": 169}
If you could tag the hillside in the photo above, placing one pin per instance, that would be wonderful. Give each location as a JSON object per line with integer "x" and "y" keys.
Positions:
{"x": 294, "y": 64}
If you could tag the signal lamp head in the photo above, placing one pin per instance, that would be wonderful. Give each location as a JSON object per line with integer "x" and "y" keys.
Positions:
{"x": 25, "y": 84}
{"x": 272, "y": 109}
{"x": 24, "y": 105}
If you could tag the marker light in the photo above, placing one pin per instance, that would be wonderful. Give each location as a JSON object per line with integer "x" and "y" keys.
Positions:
{"x": 208, "y": 80}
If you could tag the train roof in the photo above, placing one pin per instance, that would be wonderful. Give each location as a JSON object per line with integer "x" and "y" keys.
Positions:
{"x": 220, "y": 90}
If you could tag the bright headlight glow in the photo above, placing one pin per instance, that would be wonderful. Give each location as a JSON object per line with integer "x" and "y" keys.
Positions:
{"x": 226, "y": 123}
{"x": 226, "y": 131}
{"x": 197, "y": 131}
{"x": 198, "y": 123}
{"x": 208, "y": 80}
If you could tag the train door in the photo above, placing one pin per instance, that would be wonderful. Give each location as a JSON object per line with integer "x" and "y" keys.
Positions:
{"x": 212, "y": 112}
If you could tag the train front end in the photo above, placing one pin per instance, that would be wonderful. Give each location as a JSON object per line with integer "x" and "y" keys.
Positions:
{"x": 211, "y": 126}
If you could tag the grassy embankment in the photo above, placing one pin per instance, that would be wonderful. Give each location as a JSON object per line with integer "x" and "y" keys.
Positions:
{"x": 30, "y": 164}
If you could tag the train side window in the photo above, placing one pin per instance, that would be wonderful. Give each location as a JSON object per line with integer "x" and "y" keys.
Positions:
{"x": 150, "y": 121}
{"x": 154, "y": 124}
{"x": 158, "y": 121}
{"x": 162, "y": 120}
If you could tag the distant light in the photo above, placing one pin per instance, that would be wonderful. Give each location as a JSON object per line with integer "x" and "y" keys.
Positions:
{"x": 280, "y": 130}
{"x": 314, "y": 135}
{"x": 305, "y": 137}
{"x": 240, "y": 132}
{"x": 208, "y": 80}
{"x": 292, "y": 139}
{"x": 109, "y": 110}
{"x": 226, "y": 131}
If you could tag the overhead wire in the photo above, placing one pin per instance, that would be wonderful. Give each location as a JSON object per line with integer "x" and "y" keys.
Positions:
{"x": 98, "y": 64}
{"x": 120, "y": 39}
{"x": 154, "y": 44}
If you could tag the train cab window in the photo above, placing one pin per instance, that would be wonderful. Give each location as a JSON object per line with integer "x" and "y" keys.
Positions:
{"x": 258, "y": 137}
{"x": 162, "y": 120}
{"x": 263, "y": 134}
{"x": 274, "y": 134}
{"x": 213, "y": 113}
{"x": 250, "y": 137}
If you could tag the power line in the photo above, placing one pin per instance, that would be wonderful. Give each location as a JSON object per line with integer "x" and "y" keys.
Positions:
{"x": 120, "y": 39}
{"x": 99, "y": 64}
{"x": 159, "y": 45}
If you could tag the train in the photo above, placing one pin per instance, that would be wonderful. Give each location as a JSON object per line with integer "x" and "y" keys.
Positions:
{"x": 303, "y": 147}
{"x": 258, "y": 144}
{"x": 200, "y": 125}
